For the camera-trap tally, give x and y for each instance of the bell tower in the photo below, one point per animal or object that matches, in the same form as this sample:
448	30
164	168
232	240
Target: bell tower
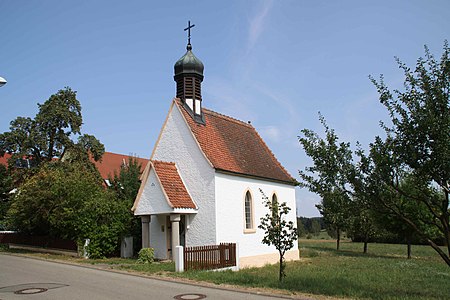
189	77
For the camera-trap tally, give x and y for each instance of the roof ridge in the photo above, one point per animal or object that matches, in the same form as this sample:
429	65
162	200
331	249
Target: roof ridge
163	162
257	133
234	120
210	111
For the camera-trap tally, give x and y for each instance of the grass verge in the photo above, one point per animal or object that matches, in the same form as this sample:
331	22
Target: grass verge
383	273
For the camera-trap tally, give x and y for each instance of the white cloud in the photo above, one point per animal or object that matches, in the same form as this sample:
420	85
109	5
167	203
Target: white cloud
270	132
257	24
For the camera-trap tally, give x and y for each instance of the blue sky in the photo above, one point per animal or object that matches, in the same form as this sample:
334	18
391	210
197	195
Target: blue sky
275	63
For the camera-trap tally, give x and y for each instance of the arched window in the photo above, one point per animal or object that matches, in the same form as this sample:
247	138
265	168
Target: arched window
248	211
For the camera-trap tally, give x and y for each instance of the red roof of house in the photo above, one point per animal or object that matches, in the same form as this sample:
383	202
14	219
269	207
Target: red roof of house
173	185
235	146
111	162
4	159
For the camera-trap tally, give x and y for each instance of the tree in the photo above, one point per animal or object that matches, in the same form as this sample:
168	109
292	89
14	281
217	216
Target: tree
67	200
362	226
315	227
6	186
277	231
126	185
301	231
418	142
48	135
329	176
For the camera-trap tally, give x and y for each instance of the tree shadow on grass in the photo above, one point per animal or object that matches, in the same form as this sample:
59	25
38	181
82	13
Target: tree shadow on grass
341	287
347	253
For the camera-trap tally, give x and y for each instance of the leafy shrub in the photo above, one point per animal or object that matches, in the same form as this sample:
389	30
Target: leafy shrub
72	204
146	256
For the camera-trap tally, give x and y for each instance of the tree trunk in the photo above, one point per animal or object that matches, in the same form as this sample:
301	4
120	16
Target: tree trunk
338	238
409	248
445	257
445	219
442	254
365	245
280	277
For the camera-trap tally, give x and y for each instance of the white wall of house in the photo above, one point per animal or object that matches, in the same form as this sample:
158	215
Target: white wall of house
230	196
177	144
158	236
152	201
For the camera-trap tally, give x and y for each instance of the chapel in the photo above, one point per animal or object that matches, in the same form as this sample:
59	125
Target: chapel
202	183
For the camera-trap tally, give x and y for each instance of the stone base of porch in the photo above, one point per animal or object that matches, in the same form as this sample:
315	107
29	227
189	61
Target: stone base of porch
264	259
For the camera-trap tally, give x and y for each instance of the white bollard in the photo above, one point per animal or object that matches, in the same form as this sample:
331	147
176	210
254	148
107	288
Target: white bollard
126	247
85	251
178	257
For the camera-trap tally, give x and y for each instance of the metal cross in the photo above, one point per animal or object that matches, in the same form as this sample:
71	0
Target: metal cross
189	31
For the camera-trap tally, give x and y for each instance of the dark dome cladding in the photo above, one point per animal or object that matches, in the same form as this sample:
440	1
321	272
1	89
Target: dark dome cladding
189	64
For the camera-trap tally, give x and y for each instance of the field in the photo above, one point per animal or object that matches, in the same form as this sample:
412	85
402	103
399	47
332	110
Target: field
383	273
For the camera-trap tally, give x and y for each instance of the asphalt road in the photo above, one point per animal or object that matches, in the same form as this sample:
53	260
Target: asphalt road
27	278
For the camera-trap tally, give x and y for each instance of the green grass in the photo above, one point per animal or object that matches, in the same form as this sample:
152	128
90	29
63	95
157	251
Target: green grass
383	273
128	264
156	268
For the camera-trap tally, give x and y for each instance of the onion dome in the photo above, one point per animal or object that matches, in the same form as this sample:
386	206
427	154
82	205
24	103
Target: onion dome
189	64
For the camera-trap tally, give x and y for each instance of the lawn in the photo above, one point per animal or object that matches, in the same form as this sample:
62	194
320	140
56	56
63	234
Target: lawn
383	273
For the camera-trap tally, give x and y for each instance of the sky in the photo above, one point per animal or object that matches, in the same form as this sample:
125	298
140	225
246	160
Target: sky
274	63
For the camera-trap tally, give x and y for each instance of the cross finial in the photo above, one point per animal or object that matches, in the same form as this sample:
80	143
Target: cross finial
189	31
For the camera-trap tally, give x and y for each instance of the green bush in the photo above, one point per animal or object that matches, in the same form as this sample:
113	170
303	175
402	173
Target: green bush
146	256
72	204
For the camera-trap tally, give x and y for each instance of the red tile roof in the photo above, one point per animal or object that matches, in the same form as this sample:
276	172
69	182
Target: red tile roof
4	159
235	146
173	185
111	162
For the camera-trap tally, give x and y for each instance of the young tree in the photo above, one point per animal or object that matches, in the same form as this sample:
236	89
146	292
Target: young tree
418	142
329	176
362	227
277	231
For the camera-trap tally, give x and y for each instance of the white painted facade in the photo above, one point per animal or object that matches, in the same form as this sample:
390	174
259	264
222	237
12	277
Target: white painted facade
219	197
230	195
177	144
153	199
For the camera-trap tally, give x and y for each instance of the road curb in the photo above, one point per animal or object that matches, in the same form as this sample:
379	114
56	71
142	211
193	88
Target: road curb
238	289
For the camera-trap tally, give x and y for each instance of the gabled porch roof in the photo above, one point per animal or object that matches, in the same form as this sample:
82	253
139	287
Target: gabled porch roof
168	180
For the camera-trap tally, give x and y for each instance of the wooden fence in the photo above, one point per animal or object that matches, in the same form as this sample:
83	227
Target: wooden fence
210	257
37	241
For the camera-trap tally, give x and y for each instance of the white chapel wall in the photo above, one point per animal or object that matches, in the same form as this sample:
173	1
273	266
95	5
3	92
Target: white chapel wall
230	193
153	200
177	144
158	236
